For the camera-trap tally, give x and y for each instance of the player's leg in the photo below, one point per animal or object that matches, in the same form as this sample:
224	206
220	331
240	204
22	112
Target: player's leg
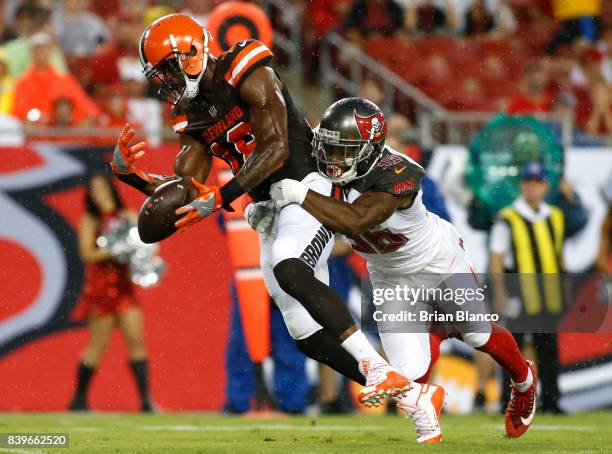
100	330
301	246
408	352
130	322
414	354
547	355
412	350
484	370
495	340
310	337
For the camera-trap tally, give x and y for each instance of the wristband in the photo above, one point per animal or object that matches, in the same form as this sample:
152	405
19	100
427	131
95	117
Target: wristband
230	192
138	180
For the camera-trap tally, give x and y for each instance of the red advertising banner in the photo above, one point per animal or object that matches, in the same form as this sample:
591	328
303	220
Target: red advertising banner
186	317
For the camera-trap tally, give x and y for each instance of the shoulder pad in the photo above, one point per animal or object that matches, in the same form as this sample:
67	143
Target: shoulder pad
397	175
242	59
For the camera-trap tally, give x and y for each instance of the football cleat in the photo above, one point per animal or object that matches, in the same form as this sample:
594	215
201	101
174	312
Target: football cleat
522	407
382	381
424	406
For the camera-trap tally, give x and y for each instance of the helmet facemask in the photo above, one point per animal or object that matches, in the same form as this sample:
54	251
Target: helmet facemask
341	160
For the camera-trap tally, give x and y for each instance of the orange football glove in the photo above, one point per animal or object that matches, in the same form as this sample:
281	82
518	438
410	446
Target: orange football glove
206	203
125	154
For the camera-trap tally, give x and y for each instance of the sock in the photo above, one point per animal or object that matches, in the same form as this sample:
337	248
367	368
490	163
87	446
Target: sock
141	375
435	339
360	348
84	374
524	386
503	348
325	348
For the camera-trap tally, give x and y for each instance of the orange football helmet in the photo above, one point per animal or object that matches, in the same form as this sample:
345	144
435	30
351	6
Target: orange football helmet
174	53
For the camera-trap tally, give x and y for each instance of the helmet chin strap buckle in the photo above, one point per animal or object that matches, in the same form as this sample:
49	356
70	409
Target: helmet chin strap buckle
191	88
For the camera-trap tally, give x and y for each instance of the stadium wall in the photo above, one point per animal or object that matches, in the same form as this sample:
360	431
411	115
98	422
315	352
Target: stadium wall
41	276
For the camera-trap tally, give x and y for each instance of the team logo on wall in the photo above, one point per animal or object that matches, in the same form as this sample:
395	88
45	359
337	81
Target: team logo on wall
41	243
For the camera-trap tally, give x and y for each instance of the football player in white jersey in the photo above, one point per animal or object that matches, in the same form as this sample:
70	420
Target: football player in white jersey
377	204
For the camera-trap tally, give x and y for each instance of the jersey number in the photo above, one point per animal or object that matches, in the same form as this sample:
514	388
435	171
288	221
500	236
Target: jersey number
241	141
380	242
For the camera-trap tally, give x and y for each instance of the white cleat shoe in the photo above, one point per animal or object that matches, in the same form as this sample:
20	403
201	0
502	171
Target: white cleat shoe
382	381
424	406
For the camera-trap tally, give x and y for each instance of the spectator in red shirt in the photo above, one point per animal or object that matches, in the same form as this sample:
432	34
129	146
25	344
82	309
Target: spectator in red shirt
478	19
323	15
63	113
318	18
567	95
42	85
534	97
373	17
114	107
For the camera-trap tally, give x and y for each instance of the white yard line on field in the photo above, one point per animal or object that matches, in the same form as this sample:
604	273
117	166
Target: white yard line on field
238	428
549	427
338	428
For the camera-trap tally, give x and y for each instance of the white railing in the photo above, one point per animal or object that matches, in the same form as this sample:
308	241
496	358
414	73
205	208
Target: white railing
460	127
435	124
358	61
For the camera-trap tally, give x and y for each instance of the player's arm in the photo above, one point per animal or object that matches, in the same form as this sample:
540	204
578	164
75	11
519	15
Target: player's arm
262	91
193	161
354	219
350	219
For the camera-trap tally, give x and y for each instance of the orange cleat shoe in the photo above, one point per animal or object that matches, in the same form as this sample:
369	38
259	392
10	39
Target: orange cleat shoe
522	407
382	381
424	406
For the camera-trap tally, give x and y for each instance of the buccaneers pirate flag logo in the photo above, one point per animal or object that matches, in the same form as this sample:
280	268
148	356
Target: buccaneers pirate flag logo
373	128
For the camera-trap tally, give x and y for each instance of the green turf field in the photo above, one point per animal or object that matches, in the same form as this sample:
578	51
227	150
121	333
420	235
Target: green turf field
192	433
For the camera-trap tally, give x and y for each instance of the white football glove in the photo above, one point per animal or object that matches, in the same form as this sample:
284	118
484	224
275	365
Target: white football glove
260	215
288	191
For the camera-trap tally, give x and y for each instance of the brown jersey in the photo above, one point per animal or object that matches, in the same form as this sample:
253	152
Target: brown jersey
220	118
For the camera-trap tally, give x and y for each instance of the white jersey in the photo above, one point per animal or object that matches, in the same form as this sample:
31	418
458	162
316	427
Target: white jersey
409	241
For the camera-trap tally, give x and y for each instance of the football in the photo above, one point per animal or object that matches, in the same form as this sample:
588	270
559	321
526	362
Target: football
156	219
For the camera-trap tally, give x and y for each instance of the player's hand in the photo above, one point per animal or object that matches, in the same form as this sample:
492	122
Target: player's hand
260	215
288	191
125	154
206	203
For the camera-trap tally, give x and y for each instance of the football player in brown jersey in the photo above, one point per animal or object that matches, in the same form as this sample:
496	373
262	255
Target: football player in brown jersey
235	107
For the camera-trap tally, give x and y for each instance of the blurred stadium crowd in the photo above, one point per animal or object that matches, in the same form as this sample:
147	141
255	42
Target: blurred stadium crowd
70	63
